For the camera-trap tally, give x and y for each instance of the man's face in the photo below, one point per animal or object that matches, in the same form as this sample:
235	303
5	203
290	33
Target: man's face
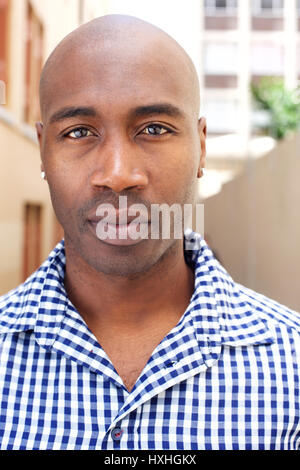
118	123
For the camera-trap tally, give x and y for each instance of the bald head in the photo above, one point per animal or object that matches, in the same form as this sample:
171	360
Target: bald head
120	103
121	40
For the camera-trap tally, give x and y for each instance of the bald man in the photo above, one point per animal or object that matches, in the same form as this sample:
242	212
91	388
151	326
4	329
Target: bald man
123	339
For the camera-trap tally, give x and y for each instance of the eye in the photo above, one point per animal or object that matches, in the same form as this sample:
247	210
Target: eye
155	129
79	133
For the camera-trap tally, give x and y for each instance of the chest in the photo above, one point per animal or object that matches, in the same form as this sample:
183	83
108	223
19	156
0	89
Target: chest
80	410
129	351
56	399
129	358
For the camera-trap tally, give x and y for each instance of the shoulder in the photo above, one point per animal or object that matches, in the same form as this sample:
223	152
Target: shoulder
20	305
10	298
270	310
240	300
267	309
15	296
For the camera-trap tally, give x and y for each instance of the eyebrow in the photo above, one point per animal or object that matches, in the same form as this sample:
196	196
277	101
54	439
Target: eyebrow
140	111
157	108
71	112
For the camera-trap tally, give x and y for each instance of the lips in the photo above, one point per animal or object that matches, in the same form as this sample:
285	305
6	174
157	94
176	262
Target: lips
118	228
118	218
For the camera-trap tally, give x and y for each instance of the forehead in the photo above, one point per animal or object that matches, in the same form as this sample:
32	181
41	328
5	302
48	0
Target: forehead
120	76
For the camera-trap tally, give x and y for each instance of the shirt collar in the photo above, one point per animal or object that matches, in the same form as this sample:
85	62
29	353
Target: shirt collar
238	321
219	310
29	307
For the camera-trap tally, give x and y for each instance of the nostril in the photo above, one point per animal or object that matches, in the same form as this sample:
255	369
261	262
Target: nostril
119	181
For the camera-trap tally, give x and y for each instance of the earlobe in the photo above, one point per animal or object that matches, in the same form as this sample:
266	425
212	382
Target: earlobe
43	173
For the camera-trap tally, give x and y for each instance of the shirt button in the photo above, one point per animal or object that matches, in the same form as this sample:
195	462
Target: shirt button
116	434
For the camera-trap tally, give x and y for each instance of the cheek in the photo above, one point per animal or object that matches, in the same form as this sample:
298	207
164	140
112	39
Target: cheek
178	176
59	201
63	195
63	181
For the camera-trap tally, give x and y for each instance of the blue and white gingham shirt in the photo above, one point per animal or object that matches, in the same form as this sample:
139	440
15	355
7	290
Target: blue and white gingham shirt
226	377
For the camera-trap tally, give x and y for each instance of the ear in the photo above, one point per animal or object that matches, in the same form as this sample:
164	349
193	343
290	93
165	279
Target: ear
39	132
202	130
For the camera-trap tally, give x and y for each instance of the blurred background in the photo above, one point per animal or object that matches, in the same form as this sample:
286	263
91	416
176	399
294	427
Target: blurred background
247	54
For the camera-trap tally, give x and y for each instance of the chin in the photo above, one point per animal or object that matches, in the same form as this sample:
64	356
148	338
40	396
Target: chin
127	261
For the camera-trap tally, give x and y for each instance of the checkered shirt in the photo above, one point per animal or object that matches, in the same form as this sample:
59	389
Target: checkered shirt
225	377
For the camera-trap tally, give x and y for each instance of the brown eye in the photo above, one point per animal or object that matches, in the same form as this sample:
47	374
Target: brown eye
79	133
155	129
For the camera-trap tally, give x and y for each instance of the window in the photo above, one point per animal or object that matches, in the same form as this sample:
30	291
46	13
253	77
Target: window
34	62
221	58
268	8
3	39
32	239
267	59
220	7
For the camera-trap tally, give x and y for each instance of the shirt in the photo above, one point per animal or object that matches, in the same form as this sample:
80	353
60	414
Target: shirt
225	377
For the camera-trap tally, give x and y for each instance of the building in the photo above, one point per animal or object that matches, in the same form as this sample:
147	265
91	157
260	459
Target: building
231	42
29	30
242	41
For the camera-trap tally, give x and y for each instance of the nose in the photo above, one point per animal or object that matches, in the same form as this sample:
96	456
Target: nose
119	166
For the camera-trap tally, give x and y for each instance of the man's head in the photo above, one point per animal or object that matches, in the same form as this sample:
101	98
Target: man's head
120	109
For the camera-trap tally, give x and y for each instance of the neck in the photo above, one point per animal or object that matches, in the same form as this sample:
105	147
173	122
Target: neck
159	295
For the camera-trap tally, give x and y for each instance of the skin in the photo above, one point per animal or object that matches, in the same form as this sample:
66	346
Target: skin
129	296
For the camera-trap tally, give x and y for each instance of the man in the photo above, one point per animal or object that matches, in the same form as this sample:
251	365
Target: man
136	343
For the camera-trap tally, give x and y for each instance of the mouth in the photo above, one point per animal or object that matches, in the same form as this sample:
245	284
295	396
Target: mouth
119	234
